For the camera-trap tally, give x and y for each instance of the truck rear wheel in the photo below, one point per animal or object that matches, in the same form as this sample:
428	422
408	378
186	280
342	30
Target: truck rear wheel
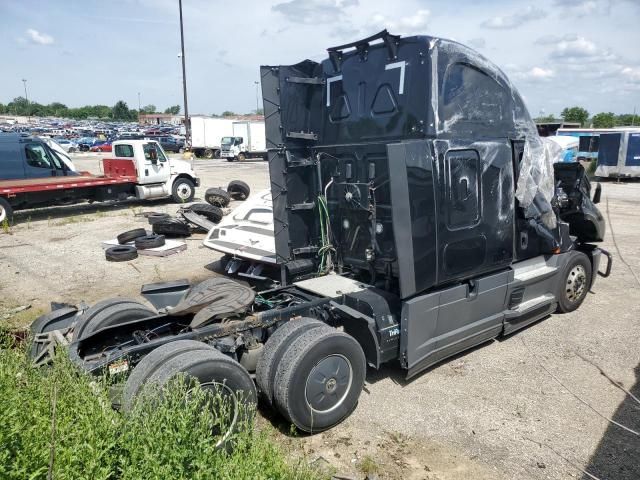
319	379
574	283
6	212
209	153
150	365
218	374
183	190
274	350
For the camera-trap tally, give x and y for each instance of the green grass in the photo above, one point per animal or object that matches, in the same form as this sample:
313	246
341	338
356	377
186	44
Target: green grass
61	419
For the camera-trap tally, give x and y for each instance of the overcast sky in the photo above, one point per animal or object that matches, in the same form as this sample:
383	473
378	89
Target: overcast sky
557	52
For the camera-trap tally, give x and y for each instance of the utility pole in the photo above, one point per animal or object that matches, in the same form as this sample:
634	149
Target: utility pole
187	124
139	107
257	83
26	96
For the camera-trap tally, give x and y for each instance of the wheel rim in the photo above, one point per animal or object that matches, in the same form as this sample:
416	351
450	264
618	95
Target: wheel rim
227	395
576	283
184	191
241	157
3	213
328	383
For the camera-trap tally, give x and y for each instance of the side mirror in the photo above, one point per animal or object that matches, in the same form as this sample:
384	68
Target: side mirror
597	194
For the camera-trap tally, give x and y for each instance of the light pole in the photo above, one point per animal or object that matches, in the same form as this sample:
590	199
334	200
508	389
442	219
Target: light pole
187	125
257	83
26	96
139	107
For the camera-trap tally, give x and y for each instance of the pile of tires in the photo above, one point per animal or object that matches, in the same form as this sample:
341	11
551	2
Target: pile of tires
141	240
219	197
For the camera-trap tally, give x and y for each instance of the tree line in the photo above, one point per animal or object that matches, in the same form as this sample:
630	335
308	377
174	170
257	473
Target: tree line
599	120
120	111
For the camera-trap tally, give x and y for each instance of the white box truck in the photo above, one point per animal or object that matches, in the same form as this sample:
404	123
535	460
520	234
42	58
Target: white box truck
248	141
206	133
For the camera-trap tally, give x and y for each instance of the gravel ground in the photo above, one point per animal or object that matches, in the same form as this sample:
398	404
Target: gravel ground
494	412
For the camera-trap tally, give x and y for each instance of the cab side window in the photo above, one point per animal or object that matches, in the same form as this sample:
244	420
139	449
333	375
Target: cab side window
124	151
37	156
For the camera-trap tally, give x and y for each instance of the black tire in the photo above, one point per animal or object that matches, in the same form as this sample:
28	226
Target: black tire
238	190
183	190
122	253
217	197
211	212
172	228
209	153
151	363
149	241
131	235
156	217
241	157
314	354
110	312
574	283
6	212
216	153
274	350
214	370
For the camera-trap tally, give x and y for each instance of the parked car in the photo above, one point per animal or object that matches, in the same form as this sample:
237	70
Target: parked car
67	145
169	144
102	147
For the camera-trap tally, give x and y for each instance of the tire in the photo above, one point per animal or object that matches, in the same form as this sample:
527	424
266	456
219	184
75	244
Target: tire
209	153
156	217
242	157
575	283
151	363
317	354
216	153
6	212
131	235
172	228
274	350
218	372
238	190
183	190
211	212
149	241
108	312
122	253
217	197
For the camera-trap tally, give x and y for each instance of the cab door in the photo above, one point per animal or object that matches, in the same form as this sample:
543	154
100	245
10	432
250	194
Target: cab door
39	163
155	164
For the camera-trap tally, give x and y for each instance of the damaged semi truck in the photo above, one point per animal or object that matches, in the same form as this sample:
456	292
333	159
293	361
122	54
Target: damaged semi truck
417	214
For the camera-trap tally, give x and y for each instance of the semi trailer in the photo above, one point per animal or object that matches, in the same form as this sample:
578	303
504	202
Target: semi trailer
417	213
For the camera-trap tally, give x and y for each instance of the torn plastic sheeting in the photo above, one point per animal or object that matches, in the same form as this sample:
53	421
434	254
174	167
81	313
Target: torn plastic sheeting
536	185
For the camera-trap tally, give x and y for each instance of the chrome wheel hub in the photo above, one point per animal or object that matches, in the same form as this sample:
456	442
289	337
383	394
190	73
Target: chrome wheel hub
576	283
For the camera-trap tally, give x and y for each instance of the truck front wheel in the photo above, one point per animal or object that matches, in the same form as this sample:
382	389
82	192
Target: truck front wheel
183	190
574	283
242	157
6	212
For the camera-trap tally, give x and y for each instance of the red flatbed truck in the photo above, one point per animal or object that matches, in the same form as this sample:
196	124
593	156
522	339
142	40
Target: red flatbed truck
32	175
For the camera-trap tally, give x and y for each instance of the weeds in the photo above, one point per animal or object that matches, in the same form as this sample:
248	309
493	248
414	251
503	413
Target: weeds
368	465
6	227
167	439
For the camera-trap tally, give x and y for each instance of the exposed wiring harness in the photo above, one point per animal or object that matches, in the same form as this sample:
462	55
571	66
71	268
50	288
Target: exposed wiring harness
326	248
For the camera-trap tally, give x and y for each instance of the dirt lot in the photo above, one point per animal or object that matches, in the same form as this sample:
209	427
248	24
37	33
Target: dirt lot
492	413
